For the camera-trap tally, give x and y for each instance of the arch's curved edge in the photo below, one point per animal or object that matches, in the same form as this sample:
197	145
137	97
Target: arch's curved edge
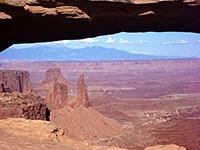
26	21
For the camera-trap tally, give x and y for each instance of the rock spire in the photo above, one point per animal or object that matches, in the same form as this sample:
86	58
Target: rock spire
82	97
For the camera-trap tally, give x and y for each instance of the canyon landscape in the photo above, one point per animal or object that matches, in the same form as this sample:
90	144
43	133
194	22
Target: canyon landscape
68	97
133	105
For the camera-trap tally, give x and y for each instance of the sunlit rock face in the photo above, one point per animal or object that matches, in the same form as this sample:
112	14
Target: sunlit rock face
81	99
24	21
166	147
58	96
14	81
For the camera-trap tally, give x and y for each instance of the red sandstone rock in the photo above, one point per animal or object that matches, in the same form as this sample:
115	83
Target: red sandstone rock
58	96
165	147
47	84
14	81
23	134
82	97
55	73
83	123
23	106
52	74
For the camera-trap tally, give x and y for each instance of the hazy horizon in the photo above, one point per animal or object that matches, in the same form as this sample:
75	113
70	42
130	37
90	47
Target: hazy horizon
60	52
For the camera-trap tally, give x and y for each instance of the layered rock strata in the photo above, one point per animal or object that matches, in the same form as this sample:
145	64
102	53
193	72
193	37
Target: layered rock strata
167	115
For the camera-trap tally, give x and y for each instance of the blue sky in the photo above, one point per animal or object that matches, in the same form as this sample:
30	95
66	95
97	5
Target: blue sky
161	44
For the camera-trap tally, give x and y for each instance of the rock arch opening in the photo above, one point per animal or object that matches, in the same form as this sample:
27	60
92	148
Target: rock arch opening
37	21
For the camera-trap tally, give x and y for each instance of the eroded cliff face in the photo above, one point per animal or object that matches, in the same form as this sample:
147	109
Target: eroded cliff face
168	115
48	84
17	105
14	81
52	74
49	20
57	98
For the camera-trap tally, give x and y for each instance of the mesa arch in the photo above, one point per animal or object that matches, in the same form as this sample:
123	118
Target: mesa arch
26	21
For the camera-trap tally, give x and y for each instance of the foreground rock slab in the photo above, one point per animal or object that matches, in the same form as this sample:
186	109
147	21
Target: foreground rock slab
28	106
166	147
18	133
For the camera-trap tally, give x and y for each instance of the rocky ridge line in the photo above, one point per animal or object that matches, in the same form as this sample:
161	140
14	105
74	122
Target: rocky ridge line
167	115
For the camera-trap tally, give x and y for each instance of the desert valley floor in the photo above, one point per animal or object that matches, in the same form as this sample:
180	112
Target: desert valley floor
156	102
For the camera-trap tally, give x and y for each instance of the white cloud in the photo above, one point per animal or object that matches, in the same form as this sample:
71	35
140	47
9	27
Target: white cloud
63	42
87	40
122	41
175	42
142	42
198	41
110	40
137	52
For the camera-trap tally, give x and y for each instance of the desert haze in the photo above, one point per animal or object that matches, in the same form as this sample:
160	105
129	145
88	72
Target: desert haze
93	105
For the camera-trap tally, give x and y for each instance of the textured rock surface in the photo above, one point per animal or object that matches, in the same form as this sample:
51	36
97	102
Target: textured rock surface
166	147
52	74
167	115
50	20
58	96
23	106
81	99
18	133
14	81
47	84
83	123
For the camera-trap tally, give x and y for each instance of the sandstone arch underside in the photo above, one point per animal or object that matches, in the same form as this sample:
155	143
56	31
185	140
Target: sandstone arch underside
26	21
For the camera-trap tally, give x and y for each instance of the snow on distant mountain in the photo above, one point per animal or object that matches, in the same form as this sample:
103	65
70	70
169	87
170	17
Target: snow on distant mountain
59	52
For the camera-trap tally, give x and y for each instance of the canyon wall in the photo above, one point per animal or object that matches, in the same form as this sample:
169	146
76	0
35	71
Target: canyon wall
14	81
25	21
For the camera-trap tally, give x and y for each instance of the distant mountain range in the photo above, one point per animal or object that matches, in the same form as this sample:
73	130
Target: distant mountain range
62	53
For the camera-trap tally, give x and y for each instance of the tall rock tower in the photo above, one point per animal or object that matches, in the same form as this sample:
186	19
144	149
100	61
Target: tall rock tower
82	97
58	96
